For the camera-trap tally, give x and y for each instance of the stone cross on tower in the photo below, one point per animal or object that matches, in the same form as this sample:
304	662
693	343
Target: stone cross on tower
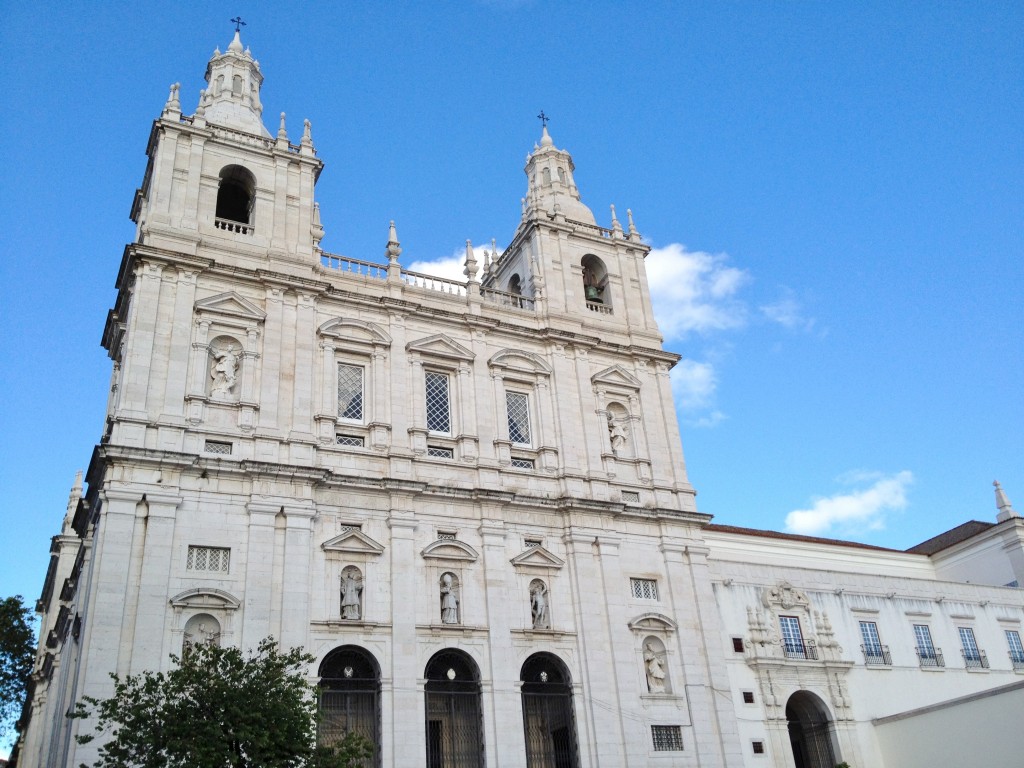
543	119
237	21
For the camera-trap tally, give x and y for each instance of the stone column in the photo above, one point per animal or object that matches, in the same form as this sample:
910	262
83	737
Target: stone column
406	745
151	614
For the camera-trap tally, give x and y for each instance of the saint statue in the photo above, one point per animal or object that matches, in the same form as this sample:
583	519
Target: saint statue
449	600
539	605
654	669
224	370
351	592
617	434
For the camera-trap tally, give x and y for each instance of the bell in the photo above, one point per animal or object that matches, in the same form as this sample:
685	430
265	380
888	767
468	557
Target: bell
593	293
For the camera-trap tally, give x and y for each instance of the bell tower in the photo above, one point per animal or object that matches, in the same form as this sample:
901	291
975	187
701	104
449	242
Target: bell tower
219	184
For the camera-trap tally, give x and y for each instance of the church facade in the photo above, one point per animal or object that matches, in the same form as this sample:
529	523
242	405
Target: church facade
468	499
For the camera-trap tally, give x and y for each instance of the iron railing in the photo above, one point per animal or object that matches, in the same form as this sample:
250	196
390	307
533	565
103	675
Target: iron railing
974	659
1017	660
805	650
876	655
930	657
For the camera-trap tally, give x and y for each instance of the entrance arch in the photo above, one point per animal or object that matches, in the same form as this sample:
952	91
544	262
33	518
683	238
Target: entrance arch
549	724
453	717
810	731
350	698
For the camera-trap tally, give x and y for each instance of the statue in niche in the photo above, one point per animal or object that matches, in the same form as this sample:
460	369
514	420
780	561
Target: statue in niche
449	600
202	629
617	433
351	594
655	670
224	370
539	605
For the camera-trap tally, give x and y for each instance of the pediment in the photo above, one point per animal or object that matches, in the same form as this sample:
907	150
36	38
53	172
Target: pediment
516	360
232	305
204	597
353	542
449	549
440	345
652	622
616	376
352	330
537	557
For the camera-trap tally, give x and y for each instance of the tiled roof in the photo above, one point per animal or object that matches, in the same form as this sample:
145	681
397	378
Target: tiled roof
949	538
793	537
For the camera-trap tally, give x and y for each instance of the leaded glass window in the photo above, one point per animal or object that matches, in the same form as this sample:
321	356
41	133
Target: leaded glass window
644	589
350	391
215	559
667	738
439	418
518	407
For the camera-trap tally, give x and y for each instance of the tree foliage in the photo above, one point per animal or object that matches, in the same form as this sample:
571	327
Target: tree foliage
217	708
17	656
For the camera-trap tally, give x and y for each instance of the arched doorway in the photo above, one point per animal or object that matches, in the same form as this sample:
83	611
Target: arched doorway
453	719
549	724
350	698
810	731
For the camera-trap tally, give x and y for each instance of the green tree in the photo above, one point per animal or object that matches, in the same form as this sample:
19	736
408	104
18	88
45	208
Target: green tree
217	708
17	656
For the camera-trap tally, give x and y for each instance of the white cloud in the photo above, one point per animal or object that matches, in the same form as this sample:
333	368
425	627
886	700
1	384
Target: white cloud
856	511
788	313
694	291
450	267
693	384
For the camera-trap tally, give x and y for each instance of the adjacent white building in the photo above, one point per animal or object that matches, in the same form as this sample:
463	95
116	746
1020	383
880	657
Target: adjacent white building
468	500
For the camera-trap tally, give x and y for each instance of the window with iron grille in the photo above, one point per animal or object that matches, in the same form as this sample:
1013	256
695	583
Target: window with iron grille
667	738
644	589
351	440
532	543
517	406
447	535
792	637
758	747
209	559
218	447
631	497
439	416
440	453
737	645
523	463
748	697
1016	649
350	392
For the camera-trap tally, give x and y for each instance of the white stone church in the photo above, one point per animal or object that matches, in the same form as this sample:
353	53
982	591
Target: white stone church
469	501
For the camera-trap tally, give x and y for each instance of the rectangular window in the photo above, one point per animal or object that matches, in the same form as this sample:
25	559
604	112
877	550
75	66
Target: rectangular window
440	453
532	543
748	697
973	657
1016	649
792	637
350	392
737	645
522	463
439	415
758	747
644	589
217	447
208	559
447	535
631	497
351	440
925	648
667	738
518	408
874	651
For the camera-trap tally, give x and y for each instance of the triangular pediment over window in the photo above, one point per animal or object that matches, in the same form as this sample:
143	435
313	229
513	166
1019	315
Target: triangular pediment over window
449	549
439	345
205	598
357	331
353	542
230	304
616	376
537	557
519	361
652	622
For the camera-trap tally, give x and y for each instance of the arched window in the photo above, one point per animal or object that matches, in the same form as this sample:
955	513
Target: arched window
549	723
350	699
595	281
810	731
453	716
515	285
236	194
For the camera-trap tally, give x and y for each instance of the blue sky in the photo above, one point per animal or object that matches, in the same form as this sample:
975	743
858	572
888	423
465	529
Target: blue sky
832	191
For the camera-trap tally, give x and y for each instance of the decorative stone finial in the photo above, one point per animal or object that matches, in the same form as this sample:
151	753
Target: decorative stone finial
316	228
201	109
522	205
632	226
394	250
282	132
307	133
471	263
236	43
1006	510
173	102
545	138
616	227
